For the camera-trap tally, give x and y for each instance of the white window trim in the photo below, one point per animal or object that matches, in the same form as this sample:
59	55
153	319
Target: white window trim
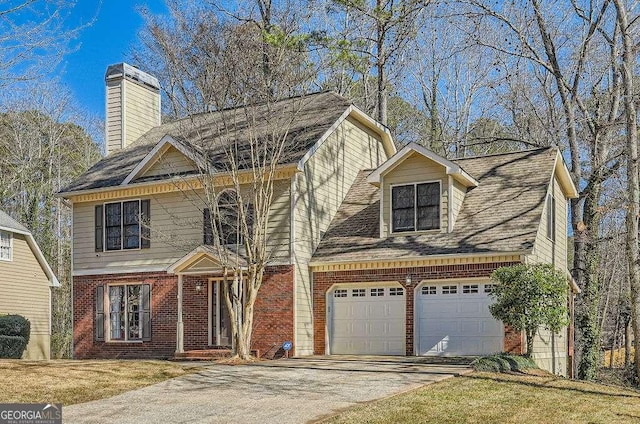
10	236
107	300
415	203
104	226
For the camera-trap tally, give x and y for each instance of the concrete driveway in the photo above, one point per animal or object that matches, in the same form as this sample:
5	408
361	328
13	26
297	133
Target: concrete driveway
284	391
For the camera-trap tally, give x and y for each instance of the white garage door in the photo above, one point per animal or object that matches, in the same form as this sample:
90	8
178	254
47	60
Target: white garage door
454	319
367	321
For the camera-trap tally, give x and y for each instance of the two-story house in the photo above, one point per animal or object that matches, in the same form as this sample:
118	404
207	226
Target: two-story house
26	281
373	251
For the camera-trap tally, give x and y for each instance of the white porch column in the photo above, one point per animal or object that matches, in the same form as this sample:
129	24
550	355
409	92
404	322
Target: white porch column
180	329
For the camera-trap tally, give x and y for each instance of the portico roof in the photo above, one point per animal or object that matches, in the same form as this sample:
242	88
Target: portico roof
207	259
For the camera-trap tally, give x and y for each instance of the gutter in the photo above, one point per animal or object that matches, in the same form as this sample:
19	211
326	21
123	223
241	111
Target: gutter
422	258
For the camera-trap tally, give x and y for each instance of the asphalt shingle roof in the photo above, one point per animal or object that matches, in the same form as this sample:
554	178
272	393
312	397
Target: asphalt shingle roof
305	119
502	214
11	224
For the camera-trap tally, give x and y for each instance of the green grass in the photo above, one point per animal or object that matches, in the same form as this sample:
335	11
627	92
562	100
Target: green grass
485	398
73	381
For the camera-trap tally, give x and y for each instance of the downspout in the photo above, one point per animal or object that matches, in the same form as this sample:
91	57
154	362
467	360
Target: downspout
180	325
450	204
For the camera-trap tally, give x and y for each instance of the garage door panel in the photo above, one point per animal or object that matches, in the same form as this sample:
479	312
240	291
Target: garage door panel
368	324
456	324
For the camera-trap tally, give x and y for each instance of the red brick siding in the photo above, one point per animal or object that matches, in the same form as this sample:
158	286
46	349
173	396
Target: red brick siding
163	317
273	316
195	312
513	341
322	282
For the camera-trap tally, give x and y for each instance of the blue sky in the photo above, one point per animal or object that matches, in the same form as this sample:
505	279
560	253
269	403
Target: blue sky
105	42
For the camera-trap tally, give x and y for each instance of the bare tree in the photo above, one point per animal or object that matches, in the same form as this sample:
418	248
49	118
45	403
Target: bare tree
208	58
628	71
381	31
33	37
42	148
239	153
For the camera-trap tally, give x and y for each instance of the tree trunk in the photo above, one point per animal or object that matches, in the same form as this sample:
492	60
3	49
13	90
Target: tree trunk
627	344
380	65
633	194
586	259
530	335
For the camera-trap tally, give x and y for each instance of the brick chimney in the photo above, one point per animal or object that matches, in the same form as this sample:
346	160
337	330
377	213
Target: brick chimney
132	105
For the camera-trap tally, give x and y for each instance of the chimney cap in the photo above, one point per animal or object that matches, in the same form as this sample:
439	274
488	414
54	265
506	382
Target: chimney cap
121	70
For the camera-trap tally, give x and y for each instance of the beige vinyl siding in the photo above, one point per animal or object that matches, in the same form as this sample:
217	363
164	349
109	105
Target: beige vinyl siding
142	110
322	186
176	229
114	116
25	290
550	353
458	193
555	253
415	169
172	162
545	250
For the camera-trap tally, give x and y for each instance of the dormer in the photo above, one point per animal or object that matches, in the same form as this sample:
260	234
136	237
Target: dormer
421	192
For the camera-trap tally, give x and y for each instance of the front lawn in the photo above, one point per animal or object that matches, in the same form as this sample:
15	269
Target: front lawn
69	381
502	398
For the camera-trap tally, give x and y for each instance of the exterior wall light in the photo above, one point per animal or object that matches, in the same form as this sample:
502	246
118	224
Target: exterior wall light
408	280
199	286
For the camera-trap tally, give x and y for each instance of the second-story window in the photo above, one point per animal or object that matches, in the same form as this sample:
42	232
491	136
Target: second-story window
227	220
415	207
122	225
551	217
6	246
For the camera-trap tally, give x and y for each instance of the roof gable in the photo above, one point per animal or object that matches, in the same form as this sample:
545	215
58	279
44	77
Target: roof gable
205	258
153	161
409	150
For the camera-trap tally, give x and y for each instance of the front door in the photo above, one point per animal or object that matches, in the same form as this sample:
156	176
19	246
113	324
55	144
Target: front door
220	325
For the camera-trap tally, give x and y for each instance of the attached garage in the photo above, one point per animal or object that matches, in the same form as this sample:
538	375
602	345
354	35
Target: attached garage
366	320
453	319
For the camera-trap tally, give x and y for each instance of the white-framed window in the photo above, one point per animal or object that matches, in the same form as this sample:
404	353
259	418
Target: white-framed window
470	288
6	246
340	293
122	225
377	292
396	291
449	289
358	292
488	288
123	312
429	290
415	207
551	217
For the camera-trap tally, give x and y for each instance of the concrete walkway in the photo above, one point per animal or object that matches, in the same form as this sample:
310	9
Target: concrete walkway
284	391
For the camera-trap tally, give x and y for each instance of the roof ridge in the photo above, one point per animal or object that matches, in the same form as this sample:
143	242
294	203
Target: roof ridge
506	153
259	103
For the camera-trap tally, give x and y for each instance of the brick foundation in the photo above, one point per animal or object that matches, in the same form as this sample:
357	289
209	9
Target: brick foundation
273	316
323	281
